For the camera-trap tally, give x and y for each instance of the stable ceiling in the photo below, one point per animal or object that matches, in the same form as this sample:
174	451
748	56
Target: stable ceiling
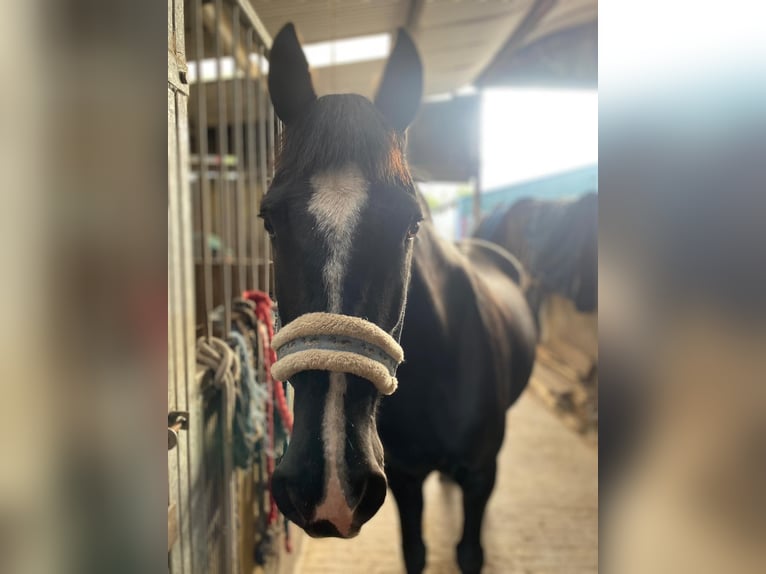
484	42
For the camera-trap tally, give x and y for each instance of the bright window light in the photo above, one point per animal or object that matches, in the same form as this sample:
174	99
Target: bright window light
434	98
530	133
467	90
319	55
348	50
207	69
716	37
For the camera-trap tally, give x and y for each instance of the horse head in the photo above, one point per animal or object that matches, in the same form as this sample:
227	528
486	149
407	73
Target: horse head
342	212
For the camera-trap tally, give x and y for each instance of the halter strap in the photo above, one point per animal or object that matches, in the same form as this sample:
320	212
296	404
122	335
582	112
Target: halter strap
340	343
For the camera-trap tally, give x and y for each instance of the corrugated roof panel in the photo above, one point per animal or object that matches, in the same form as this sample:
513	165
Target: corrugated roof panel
564	15
438	13
457	49
320	20
457	39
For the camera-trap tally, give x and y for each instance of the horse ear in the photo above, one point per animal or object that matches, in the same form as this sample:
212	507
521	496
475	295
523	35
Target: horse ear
401	89
289	79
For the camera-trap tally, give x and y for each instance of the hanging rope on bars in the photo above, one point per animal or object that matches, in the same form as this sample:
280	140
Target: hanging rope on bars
223	363
250	412
217	356
263	310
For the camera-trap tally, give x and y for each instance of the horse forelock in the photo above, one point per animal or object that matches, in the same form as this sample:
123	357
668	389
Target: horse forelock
340	130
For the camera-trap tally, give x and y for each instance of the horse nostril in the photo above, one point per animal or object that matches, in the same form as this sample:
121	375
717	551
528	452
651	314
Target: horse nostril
373	494
296	504
288	499
330	513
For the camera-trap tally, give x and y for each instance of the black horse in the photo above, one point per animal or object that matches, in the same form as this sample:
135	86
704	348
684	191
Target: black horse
345	221
556	242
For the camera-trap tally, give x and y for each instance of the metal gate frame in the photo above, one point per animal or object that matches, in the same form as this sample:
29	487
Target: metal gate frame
220	163
185	540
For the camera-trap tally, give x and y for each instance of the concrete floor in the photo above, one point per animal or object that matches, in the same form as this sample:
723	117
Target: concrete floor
542	517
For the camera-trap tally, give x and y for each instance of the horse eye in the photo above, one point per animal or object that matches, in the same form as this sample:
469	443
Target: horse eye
413	230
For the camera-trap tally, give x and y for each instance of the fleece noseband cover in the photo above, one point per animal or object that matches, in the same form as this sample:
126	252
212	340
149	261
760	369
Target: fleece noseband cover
338	343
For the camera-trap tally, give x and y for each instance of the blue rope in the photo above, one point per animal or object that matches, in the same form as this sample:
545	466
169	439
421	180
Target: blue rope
250	410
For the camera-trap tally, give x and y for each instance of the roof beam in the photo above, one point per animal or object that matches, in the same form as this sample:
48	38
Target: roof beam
536	13
414	15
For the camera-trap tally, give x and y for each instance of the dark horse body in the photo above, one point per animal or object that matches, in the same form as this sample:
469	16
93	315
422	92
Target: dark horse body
469	340
556	241
345	220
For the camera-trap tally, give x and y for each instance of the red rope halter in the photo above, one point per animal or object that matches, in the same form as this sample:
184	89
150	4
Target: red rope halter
263	308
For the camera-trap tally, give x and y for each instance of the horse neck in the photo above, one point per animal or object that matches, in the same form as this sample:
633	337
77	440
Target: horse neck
435	255
435	265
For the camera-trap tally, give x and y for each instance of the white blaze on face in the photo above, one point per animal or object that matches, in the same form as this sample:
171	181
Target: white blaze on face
334	507
336	204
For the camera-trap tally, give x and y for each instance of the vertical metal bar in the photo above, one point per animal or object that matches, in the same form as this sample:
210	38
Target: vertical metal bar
252	169
240	204
176	379
476	204
223	184
205	216
230	538
263	161
197	474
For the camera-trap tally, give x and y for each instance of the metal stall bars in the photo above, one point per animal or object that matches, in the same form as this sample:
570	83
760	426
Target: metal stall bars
233	136
184	400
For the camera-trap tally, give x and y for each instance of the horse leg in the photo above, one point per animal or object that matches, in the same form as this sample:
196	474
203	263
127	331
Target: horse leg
477	487
408	492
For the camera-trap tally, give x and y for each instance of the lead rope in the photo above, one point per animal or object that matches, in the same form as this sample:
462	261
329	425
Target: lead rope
270	431
263	311
250	416
288	539
276	394
216	356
